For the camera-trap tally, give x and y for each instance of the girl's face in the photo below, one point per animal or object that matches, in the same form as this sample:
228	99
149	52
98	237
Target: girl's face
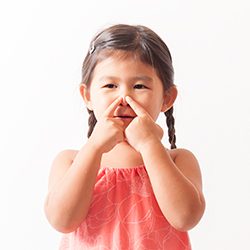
115	77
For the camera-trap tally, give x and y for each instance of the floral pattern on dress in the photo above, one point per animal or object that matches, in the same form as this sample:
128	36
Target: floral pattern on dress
124	215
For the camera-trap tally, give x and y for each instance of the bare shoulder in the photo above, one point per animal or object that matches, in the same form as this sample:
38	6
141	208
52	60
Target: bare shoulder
188	164
70	153
66	155
60	165
181	153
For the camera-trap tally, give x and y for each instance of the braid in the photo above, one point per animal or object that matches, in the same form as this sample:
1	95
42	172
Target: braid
92	121
171	129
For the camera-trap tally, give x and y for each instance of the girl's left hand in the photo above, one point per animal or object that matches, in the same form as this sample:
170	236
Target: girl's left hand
142	128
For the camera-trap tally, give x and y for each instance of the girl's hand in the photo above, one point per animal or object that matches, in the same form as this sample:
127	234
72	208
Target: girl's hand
142	128
108	131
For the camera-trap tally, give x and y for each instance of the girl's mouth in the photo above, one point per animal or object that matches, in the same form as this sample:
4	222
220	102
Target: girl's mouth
125	117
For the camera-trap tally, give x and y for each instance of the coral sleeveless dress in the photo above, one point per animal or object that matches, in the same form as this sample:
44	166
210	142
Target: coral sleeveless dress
124	215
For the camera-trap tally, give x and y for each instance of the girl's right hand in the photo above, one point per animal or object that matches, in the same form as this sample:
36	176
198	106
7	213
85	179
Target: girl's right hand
108	131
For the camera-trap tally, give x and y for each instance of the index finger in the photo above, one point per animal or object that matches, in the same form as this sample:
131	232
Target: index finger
139	110
111	108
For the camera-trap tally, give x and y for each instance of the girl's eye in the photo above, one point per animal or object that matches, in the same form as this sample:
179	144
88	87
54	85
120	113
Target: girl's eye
140	86
110	85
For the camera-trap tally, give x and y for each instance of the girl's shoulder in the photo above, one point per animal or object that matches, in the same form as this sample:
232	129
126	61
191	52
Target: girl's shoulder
188	164
180	152
64	158
60	164
69	153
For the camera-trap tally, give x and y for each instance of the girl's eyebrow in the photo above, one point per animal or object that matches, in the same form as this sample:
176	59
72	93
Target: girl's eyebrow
134	78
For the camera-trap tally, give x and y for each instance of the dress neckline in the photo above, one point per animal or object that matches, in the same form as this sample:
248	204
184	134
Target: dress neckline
122	168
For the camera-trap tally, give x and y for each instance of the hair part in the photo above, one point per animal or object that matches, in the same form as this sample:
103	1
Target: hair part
142	43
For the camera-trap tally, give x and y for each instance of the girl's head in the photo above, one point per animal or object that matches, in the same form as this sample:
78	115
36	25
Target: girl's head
129	60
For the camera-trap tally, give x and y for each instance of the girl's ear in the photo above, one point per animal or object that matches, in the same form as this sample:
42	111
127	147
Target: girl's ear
84	90
169	98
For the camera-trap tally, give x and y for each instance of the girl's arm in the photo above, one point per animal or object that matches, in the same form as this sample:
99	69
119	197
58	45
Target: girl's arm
71	184
70	187
177	184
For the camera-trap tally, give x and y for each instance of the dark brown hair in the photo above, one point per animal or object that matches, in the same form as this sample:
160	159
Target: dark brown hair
142	42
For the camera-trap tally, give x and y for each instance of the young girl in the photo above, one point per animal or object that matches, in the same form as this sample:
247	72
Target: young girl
123	189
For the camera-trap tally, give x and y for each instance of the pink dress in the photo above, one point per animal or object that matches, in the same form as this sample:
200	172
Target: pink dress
124	215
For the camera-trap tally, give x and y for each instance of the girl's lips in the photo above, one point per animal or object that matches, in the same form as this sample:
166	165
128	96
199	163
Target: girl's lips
124	112
125	117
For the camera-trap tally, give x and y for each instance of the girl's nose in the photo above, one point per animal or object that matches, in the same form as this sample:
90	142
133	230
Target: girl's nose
124	102
124	91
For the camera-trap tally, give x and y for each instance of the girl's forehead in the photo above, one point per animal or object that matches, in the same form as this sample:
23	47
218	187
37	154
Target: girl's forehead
125	62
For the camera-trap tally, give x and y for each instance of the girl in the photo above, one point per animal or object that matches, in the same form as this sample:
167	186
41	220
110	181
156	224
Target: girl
123	189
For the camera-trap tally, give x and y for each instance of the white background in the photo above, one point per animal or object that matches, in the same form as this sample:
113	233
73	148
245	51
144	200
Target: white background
43	44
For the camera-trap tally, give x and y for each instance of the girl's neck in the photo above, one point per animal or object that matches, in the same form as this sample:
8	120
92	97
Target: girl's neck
123	148
122	155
